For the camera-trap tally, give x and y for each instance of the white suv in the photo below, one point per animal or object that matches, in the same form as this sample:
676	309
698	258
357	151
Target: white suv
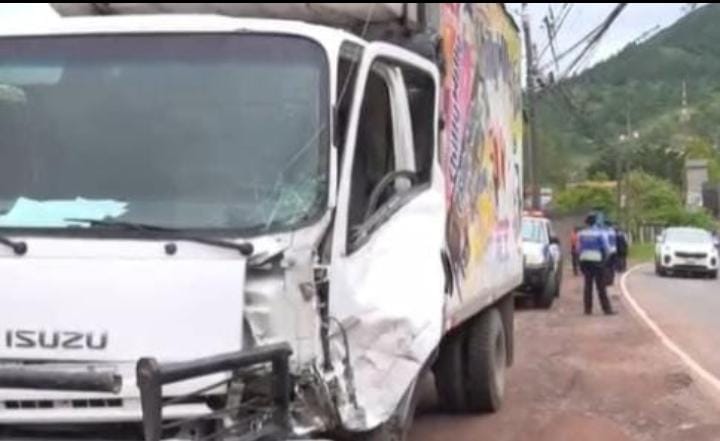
686	250
543	260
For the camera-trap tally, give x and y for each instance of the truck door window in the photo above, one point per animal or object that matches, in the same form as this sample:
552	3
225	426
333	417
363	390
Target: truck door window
374	152
421	99
348	64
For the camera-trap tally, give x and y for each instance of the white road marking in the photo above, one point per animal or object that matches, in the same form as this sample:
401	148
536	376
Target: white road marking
690	362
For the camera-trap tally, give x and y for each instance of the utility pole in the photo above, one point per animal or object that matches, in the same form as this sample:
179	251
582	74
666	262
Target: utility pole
622	207
533	150
619	162
684	119
684	113
622	167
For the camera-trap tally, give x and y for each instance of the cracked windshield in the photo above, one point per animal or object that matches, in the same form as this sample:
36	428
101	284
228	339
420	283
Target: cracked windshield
206	131
359	221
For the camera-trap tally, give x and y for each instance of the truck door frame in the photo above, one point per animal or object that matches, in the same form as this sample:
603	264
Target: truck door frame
402	132
391	319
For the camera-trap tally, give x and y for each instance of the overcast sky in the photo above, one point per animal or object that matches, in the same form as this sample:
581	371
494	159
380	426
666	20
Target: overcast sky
634	21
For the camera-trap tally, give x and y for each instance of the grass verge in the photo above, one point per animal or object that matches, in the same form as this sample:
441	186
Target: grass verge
642	252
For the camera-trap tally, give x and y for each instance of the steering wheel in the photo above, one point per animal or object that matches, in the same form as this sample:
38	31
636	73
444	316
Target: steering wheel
381	186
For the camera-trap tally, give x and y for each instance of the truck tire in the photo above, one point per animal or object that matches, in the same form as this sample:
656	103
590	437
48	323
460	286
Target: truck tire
486	354
448	370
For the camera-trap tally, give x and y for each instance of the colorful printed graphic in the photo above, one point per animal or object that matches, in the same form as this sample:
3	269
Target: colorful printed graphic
482	141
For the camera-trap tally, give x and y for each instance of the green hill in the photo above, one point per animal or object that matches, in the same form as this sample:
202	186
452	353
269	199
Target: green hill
582	117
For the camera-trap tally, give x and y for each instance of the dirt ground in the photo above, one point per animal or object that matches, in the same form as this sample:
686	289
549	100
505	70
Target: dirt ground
579	378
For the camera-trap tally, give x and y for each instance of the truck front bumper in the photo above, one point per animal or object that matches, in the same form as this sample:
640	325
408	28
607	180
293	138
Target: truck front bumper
534	278
151	377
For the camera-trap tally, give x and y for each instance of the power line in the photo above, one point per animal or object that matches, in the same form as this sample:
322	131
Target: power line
640	39
547	44
646	35
596	38
568	7
549	27
572	48
578	114
588	58
556	26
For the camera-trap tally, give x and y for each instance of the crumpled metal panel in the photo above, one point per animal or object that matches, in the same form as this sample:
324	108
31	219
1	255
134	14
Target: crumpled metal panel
276	309
389	296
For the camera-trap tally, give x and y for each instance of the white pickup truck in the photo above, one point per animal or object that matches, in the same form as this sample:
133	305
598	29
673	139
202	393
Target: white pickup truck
251	228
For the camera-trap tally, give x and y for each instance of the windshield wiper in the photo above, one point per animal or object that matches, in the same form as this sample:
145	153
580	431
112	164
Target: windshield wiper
244	248
18	248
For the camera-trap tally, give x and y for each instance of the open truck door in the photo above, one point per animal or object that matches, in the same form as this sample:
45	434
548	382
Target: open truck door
389	227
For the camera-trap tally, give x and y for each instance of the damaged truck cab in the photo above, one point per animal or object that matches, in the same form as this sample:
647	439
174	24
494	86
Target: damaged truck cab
258	227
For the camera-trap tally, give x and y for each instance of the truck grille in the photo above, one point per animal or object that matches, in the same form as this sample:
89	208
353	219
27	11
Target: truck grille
690	255
62	404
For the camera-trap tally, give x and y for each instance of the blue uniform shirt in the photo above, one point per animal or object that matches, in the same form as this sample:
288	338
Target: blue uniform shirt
593	245
612	239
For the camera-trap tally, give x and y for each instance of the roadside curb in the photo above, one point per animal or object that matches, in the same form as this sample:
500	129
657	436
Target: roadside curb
695	367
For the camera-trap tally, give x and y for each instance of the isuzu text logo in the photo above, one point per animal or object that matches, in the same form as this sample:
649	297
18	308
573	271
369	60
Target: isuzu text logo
70	340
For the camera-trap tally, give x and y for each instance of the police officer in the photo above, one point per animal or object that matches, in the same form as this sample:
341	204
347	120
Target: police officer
611	263
574	250
622	250
594	251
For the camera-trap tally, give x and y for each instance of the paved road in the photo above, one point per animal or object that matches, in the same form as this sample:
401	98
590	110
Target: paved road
686	309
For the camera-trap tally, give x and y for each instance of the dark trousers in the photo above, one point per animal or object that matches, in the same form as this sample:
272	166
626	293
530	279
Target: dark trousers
595	274
575	262
621	263
610	268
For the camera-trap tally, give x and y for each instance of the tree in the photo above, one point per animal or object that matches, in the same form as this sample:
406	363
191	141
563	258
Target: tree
650	199
600	176
585	197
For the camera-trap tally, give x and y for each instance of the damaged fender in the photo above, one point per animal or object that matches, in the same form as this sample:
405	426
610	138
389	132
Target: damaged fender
389	297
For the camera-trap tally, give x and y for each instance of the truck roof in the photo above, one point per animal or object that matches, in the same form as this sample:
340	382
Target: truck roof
173	23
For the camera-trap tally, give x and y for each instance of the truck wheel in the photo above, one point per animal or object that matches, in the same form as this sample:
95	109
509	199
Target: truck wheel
486	355
448	372
545	296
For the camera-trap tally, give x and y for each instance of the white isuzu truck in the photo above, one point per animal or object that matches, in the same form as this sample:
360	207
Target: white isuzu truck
256	221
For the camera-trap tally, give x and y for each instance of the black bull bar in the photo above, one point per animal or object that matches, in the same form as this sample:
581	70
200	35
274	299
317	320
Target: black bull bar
152	375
